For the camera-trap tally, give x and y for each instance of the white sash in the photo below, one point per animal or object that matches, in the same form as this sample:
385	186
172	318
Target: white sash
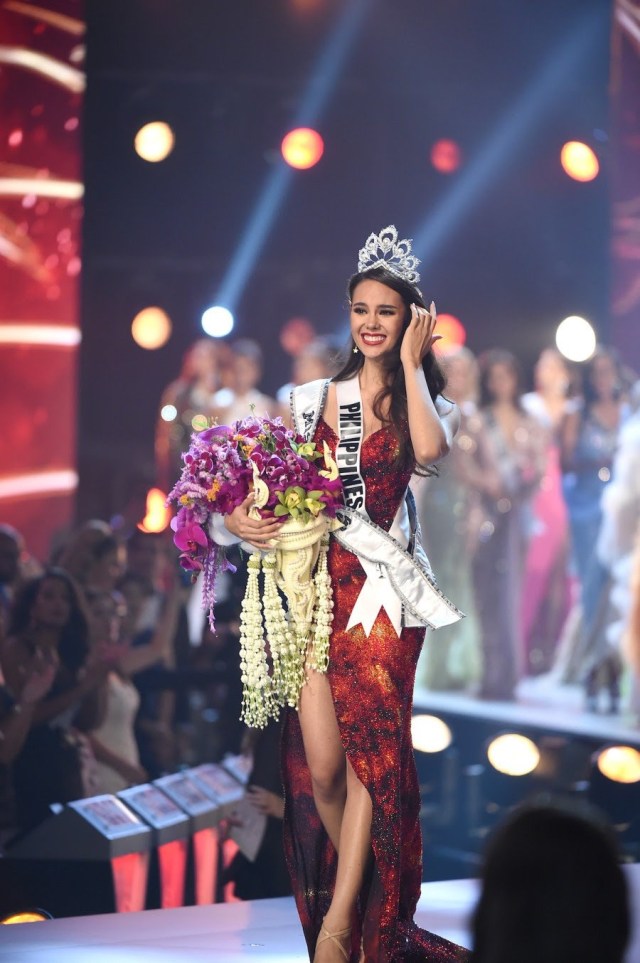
350	436
398	580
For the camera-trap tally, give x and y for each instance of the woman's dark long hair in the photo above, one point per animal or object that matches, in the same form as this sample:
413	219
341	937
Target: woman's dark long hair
395	392
73	647
552	892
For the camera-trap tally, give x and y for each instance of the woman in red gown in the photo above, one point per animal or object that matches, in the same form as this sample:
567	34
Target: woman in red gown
352	832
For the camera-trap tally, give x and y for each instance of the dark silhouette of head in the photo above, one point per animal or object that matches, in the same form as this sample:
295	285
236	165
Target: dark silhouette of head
553	891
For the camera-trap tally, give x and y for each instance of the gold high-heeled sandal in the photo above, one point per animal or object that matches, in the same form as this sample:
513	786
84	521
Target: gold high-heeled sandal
337	938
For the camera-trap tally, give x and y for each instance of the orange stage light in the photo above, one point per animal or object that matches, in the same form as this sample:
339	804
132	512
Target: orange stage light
579	161
302	148
452	332
151	328
446	156
158	515
154	142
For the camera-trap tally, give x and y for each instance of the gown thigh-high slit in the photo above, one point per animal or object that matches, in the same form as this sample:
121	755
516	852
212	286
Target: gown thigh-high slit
371	679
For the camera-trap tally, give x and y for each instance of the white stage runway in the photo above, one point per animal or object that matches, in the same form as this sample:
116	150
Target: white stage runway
231	933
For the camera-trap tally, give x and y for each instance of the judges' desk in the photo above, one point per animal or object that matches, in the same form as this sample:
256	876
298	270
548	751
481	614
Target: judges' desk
205	812
171	828
88	856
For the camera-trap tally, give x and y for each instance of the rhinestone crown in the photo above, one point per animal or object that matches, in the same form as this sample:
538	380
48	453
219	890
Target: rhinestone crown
385	250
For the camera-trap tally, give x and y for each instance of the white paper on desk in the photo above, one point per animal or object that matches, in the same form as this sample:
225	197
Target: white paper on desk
250	834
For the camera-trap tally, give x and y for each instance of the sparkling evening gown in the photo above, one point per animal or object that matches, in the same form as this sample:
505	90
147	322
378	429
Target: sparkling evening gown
371	680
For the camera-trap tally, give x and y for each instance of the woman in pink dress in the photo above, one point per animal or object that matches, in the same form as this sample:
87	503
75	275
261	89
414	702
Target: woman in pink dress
546	602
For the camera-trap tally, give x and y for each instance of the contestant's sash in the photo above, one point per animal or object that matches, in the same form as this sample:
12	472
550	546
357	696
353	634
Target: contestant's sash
350	435
397	580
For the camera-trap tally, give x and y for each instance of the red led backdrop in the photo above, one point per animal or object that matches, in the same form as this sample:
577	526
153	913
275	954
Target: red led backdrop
41	90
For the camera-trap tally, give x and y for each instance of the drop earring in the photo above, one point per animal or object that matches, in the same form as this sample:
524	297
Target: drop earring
355	350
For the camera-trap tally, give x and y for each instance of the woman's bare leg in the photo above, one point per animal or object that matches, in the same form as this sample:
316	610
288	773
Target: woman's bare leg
355	849
324	753
342	801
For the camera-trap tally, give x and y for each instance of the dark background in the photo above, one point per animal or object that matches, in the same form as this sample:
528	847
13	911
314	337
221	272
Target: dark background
527	247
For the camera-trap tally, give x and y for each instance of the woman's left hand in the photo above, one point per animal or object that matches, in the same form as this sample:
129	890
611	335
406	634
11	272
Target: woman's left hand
266	802
419	337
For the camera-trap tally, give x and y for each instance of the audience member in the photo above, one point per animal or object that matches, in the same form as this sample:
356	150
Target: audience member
48	623
76	555
552	892
266	876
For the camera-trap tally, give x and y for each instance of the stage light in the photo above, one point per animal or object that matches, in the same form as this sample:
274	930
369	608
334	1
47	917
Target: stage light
513	755
151	328
158	514
620	764
217	321
154	142
579	161
446	156
302	148
512	134
575	338
452	332
26	916
614	787
430	734
168	412
314	97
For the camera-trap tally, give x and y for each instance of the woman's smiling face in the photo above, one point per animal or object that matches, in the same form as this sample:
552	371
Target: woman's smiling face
377	318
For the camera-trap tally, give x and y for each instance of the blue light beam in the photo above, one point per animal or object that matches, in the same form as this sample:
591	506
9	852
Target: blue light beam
321	84
502	145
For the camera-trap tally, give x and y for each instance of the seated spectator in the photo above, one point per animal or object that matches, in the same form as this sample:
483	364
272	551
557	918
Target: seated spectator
265	876
75	556
16	718
552	891
48	626
11	548
150	661
107	564
113	740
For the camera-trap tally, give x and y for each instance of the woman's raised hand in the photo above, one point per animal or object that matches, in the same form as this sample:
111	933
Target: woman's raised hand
257	531
419	337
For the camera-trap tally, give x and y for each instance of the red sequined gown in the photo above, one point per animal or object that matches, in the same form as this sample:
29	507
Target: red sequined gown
371	680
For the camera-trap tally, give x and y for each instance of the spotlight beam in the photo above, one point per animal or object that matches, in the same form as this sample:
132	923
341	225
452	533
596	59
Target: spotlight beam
319	89
506	140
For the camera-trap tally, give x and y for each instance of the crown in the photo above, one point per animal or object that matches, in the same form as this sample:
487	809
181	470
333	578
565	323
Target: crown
385	250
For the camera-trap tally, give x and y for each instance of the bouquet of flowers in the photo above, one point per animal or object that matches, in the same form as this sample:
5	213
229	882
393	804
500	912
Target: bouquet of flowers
292	479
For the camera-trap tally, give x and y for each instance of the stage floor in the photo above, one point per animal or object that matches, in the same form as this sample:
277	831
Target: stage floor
541	703
231	933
